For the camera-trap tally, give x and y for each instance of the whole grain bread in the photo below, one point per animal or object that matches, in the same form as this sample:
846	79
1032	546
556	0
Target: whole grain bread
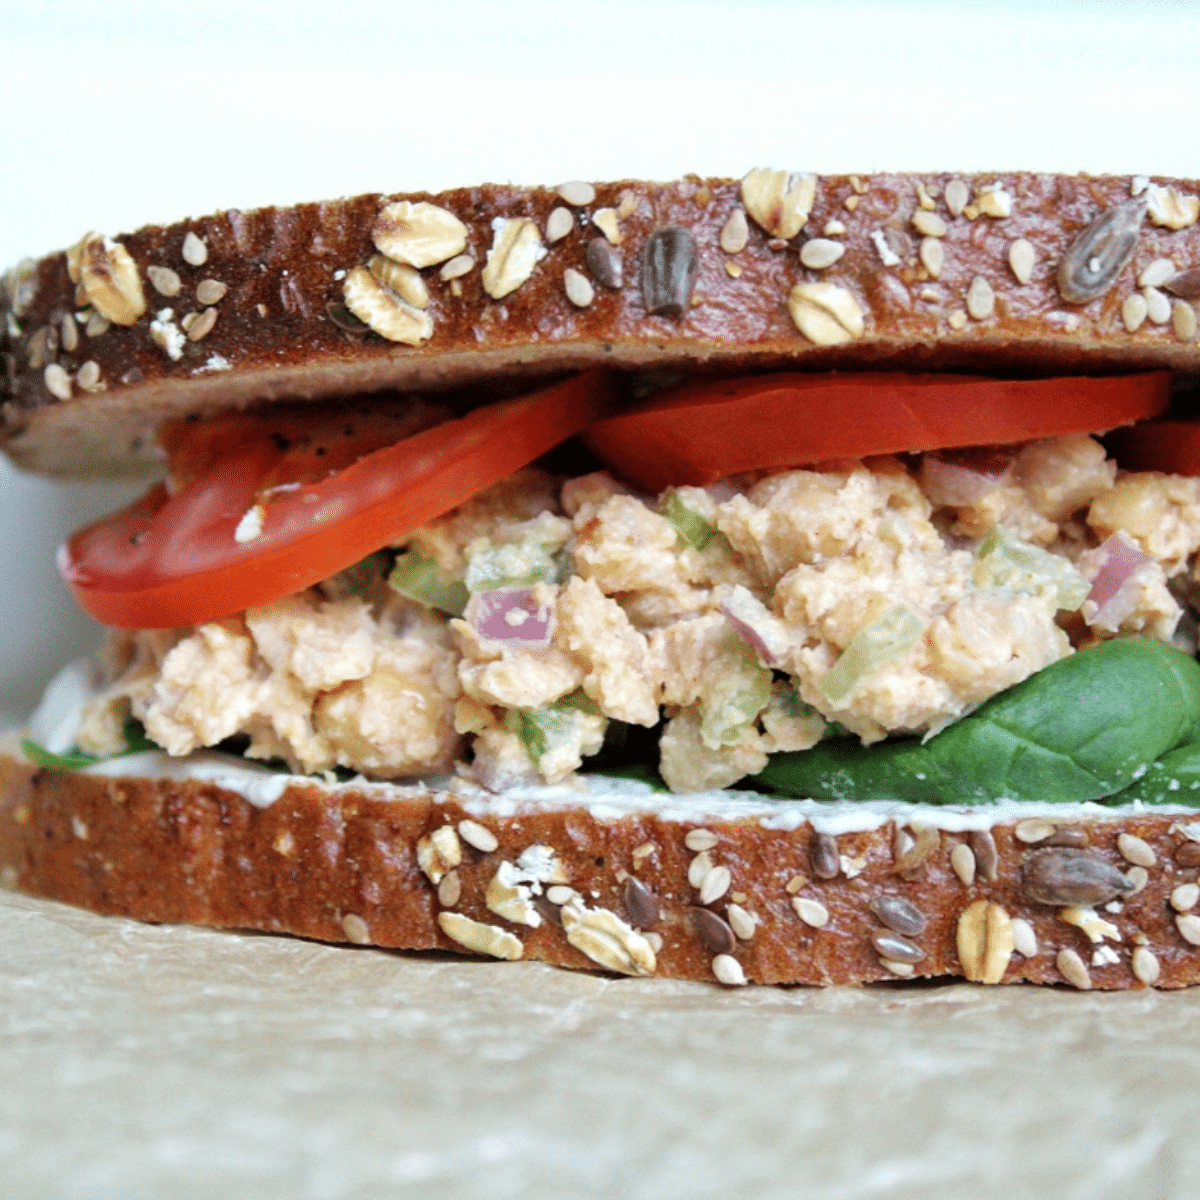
1095	901
921	272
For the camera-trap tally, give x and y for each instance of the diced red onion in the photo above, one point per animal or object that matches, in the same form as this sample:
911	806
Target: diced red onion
957	477
1113	600
754	623
511	615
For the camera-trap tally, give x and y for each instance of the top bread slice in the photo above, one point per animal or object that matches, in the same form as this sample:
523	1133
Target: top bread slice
912	272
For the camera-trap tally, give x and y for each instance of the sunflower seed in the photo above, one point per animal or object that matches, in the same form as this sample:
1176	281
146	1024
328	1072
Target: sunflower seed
811	912
735	233
1136	850
576	193
1022	258
355	929
981	300
604	263
483	939
1158	307
1133	311
728	970
110	280
779	202
57	381
962	861
640	904
1186	284
164	281
714	934
985	941
1033	830
1024	939
607	940
957	195
1071	967
933	256
383	311
895	948
740	921
1061	876
195	252
715	884
578	288
1100	253
983	845
344	319
449	891
823	856
900	915
819	253
1183	320
559	223
700	839
669	265
420	234
1189	928
1145	966
826	313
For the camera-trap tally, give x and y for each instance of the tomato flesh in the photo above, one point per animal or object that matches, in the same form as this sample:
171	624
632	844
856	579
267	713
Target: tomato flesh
1172	446
170	560
699	434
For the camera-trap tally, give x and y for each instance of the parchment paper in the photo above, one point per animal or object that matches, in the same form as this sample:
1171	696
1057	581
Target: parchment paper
144	1061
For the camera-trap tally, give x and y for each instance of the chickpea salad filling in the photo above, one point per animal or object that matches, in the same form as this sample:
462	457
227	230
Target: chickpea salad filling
750	629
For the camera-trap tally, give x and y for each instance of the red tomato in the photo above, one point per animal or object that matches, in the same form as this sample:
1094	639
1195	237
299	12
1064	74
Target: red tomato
699	434
1170	446
175	560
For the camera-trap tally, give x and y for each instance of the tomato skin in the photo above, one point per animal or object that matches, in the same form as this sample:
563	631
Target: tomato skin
167	561
699	434
1171	446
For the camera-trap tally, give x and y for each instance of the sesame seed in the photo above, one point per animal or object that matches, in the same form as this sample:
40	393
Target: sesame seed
1189	928
902	969
735	233
1024	938
933	256
740	921
929	224
1145	966
195	252
728	970
58	382
1072	968
700	839
578	288
165	281
962	861
89	376
479	836
559	223
1183	319
355	928
1157	273
1135	850
210	291
1158	307
1033	830
957	195
981	300
202	326
1133	311
715	884
819	253
699	867
449	890
1185	897
811	912
576	193
1021	260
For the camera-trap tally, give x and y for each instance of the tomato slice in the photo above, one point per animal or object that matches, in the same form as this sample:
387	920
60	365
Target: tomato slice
171	560
1172	446
699	434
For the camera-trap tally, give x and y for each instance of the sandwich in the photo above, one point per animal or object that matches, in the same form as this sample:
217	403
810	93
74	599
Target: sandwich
779	580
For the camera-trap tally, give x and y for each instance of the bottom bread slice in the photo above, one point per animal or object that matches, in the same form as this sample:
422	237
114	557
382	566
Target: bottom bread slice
1093	901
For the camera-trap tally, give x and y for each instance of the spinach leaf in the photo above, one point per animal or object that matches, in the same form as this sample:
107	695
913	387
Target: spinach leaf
1080	729
136	742
1173	779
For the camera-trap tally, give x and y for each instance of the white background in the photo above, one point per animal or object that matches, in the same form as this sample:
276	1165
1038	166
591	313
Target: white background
120	113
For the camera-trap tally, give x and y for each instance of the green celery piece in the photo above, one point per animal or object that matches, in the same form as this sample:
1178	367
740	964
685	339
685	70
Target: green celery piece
1005	561
696	530
878	642
538	728
421	579
1083	728
512	564
728	709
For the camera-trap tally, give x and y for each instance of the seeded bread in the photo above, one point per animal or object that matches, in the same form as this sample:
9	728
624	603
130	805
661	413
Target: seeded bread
935	271
1102	902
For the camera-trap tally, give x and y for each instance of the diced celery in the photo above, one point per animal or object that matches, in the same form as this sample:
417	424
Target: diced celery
696	530
511	564
738	688
1005	561
540	729
881	641
421	579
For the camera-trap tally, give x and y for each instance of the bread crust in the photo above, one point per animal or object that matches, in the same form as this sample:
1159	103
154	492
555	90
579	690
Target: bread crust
283	268
343	865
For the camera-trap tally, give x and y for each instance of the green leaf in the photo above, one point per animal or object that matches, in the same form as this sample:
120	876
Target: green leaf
421	579
696	530
1173	779
1081	729
136	742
